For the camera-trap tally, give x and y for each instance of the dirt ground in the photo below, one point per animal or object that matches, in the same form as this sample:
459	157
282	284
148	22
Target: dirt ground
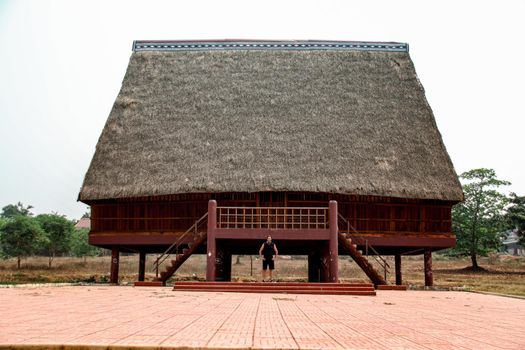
502	273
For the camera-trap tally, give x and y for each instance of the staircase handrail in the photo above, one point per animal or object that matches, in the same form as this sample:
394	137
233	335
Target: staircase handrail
382	262
161	258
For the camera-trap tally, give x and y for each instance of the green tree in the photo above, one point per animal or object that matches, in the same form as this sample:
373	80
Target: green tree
58	231
20	237
478	220
516	216
80	246
12	210
2	223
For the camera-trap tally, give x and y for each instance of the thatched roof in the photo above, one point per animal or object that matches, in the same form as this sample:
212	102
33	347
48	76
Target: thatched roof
333	117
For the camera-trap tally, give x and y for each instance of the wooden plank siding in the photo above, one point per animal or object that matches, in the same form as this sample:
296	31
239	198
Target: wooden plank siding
175	213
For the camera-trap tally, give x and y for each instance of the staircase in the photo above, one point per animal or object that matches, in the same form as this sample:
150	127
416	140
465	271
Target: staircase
278	287
345	240
181	255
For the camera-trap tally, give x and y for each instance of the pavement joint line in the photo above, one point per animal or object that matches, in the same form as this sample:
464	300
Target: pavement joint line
224	321
287	326
255	319
188	324
357	331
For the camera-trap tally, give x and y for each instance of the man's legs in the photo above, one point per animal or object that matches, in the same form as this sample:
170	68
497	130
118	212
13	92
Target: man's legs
264	267
270	268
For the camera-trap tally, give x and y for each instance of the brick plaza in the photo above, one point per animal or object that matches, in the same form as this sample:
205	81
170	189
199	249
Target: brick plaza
162	318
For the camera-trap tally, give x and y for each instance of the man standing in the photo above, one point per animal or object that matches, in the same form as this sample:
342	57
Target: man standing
266	253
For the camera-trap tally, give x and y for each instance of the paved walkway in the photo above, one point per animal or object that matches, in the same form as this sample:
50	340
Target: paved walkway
161	317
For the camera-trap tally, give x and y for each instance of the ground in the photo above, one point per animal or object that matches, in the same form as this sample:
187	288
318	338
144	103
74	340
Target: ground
105	315
503	273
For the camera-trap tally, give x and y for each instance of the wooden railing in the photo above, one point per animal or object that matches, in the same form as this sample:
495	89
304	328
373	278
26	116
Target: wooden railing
175	247
379	259
272	217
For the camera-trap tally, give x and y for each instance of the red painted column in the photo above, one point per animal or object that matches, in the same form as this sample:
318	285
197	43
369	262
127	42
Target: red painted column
211	243
113	278
333	246
324	263
142	265
429	279
399	280
313	267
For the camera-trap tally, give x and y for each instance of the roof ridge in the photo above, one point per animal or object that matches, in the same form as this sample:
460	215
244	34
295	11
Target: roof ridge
200	45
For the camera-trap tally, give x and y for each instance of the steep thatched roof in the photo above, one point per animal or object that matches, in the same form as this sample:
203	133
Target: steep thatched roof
264	116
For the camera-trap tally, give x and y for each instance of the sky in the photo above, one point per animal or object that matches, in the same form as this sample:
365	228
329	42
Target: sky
62	65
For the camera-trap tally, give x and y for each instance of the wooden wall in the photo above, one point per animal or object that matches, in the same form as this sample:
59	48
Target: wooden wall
178	212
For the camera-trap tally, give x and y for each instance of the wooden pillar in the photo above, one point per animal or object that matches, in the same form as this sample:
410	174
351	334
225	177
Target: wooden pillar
313	267
113	278
227	266
333	244
325	264
399	279
142	265
223	263
429	280
211	245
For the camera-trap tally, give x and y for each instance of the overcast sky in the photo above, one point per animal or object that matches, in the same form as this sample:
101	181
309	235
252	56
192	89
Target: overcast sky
62	64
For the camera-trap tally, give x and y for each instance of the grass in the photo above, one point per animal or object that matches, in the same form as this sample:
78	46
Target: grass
502	273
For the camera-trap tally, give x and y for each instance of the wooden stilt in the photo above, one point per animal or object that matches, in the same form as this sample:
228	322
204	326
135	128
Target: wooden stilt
313	267
429	280
113	279
211	242
333	244
227	266
399	279
142	266
325	263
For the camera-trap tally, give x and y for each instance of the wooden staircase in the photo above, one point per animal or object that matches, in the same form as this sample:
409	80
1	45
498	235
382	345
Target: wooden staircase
278	287
345	240
199	236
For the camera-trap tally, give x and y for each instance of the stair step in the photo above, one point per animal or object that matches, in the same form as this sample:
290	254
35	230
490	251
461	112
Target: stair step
272	287
149	284
326	292
278	287
312	284
391	287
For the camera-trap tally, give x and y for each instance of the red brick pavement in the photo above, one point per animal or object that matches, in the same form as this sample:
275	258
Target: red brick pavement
160	317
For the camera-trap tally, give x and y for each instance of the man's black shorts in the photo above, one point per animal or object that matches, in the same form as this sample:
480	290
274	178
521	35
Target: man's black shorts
268	263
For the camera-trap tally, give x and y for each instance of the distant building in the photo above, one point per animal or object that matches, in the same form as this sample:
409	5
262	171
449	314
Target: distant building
83	223
511	244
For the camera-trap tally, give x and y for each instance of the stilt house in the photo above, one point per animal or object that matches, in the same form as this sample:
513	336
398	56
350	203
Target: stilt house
331	147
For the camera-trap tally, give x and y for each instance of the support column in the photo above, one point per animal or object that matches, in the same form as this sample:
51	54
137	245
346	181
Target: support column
333	245
211	245
429	280
313	267
227	266
325	263
113	278
142	266
399	280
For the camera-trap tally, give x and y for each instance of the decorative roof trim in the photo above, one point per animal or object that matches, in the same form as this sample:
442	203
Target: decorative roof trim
148	45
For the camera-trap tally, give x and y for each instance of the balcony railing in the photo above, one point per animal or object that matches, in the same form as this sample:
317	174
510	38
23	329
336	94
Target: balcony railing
272	218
